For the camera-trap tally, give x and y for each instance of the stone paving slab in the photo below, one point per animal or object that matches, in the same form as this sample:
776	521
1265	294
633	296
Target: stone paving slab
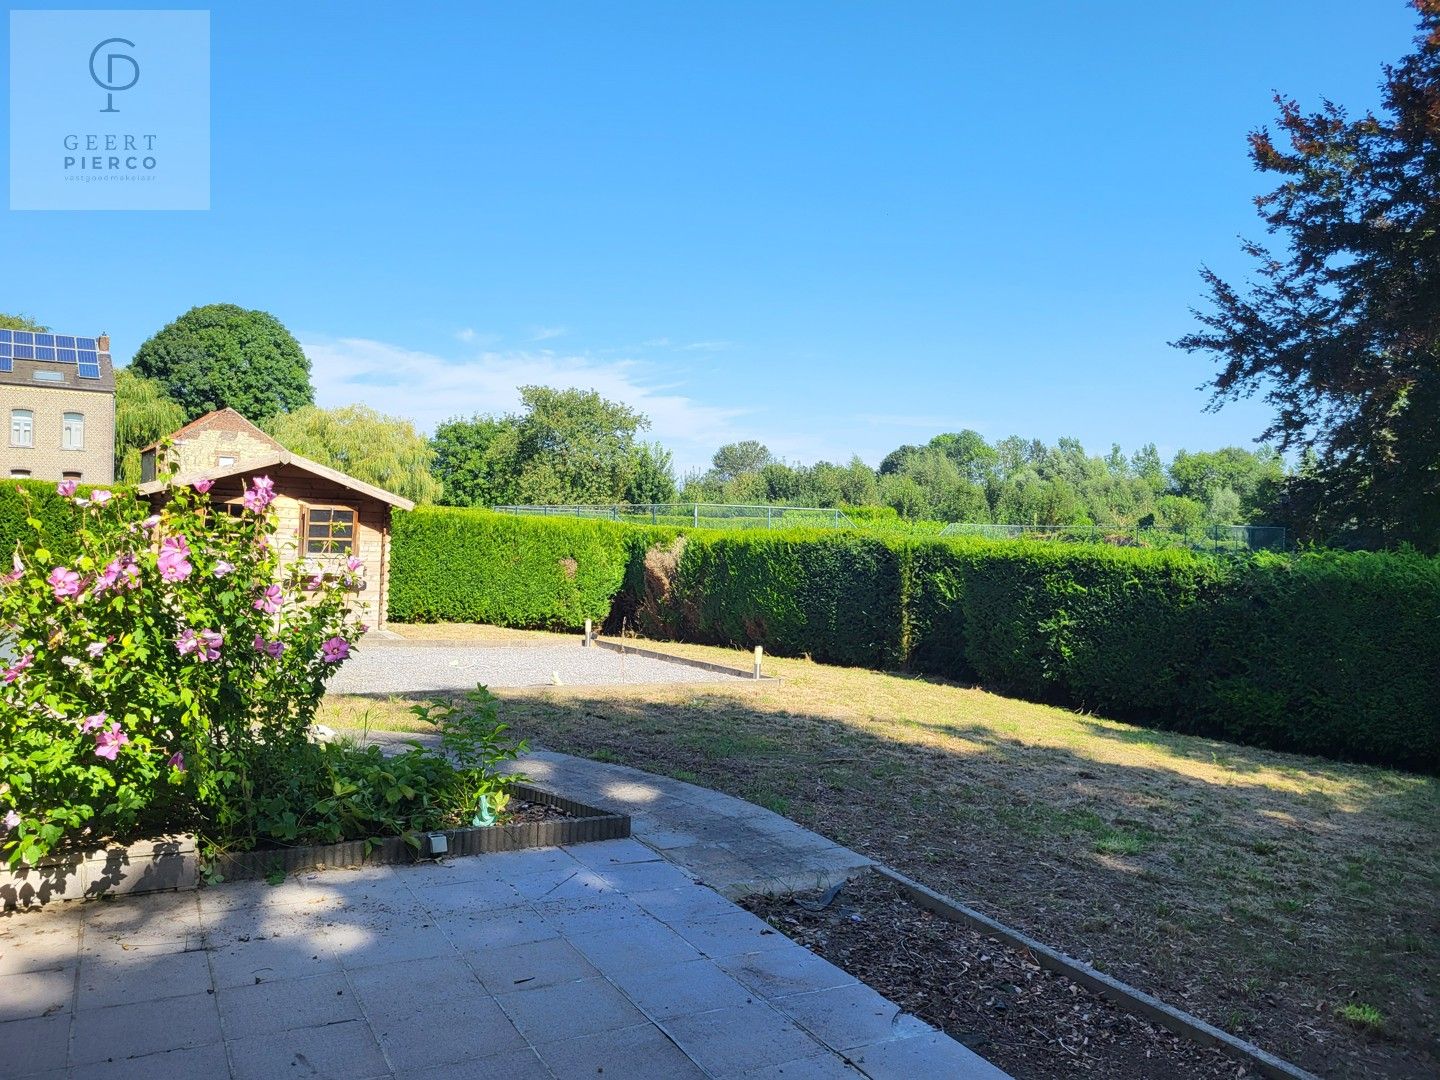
358	974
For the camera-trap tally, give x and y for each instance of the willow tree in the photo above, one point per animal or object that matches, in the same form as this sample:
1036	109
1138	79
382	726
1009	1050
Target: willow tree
382	450
144	413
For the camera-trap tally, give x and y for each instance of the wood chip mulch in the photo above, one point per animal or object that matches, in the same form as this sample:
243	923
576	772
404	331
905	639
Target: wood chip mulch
521	812
996	1000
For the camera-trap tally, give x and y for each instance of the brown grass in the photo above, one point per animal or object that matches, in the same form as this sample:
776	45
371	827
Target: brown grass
1264	891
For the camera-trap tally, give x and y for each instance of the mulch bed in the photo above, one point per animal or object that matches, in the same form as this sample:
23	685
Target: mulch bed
521	812
993	998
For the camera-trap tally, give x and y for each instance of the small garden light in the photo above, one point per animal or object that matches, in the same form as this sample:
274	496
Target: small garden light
436	844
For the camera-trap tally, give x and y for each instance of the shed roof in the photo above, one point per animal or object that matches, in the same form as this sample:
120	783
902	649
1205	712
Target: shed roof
273	459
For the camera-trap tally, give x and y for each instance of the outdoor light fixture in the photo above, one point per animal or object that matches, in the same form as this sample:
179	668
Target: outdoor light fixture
436	844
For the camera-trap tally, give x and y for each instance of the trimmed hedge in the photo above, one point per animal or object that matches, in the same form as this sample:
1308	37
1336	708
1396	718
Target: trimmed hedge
458	565
1330	653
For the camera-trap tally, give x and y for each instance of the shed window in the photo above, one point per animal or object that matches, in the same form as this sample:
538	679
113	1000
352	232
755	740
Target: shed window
329	530
22	427
72	431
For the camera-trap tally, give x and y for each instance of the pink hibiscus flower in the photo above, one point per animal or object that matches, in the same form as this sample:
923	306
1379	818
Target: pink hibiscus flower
109	741
174	560
64	582
177	761
272	649
11	819
66	488
16	573
90	723
14	671
334	650
203	485
259	494
270	601
222	568
100	497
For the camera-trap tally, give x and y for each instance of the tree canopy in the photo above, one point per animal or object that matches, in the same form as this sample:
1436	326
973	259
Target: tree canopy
222	355
382	450
144	414
21	322
1340	331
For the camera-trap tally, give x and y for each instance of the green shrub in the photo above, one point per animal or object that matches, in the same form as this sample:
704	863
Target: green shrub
451	564
59	517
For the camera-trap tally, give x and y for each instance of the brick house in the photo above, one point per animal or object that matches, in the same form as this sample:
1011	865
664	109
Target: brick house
323	516
57	400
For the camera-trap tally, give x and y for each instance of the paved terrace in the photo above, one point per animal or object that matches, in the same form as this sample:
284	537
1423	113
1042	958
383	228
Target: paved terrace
604	959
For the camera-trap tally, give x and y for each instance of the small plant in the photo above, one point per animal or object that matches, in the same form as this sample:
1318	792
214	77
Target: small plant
1363	1016
474	738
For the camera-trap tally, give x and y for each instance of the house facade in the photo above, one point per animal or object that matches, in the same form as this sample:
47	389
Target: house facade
57	401
323	516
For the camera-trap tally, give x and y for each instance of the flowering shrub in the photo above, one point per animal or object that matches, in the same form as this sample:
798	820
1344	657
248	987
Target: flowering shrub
164	676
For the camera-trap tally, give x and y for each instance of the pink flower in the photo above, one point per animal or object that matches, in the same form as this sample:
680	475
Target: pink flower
177	761
16	574
258	496
109	741
64	582
354	564
100	497
66	488
90	723
334	650
222	568
11	819
174	559
315	583
270	601
95	648
13	672
272	649
205	645
150	522
203	485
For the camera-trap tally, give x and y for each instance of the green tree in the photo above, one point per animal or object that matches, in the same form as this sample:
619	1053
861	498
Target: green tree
476	460
1341	331
21	322
1254	477
382	450
144	414
652	477
740	459
221	355
574	446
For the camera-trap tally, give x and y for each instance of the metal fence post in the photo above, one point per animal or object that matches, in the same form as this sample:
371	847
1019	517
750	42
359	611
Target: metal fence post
697	515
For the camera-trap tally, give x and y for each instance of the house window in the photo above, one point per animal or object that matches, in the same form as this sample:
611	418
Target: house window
20	474
69	475
329	530
224	461
72	431
22	427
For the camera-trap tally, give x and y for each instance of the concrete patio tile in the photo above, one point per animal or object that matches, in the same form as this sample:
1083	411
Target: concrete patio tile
681	989
642	947
569	1010
731	934
289	1003
739	1038
144	1027
513	865
433	1012
845	1017
606	853
512	1065
609	911
635	1053
230	895
562	883
36	1044
365	944
497	929
530	966
687	903
119	980
188	1064
664	837
478	894
36	993
269	959
644	877
935	1054
35	941
821	1066
345	1051
777	973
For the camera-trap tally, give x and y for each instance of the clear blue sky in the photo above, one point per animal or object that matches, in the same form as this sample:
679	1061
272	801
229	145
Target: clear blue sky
835	227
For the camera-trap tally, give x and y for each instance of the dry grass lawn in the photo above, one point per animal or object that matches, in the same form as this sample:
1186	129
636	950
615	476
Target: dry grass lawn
1291	900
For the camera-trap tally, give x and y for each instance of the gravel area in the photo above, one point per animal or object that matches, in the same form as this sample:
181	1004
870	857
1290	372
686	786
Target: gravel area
384	667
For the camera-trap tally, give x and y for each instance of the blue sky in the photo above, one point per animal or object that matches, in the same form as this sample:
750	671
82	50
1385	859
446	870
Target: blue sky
835	227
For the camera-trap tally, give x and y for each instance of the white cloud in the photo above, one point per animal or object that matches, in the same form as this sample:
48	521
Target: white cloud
429	389
545	333
466	335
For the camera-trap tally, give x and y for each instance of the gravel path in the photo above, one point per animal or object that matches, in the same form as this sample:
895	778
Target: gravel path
383	667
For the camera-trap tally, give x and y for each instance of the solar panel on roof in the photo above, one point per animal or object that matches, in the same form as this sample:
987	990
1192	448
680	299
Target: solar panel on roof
5	336
85	343
5	348
89	371
88	356
6	364
48	340
44	352
24	337
24	352
65	356
63	341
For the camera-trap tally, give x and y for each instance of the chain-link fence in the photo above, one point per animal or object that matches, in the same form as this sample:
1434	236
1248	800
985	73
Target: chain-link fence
698	515
1219	539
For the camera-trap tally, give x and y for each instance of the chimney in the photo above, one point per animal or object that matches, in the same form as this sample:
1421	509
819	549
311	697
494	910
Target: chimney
103	341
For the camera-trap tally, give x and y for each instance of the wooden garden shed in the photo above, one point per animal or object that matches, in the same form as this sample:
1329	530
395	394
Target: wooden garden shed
323	515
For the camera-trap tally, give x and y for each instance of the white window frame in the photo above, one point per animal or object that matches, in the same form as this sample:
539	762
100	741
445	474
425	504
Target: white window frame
71	425
22	428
